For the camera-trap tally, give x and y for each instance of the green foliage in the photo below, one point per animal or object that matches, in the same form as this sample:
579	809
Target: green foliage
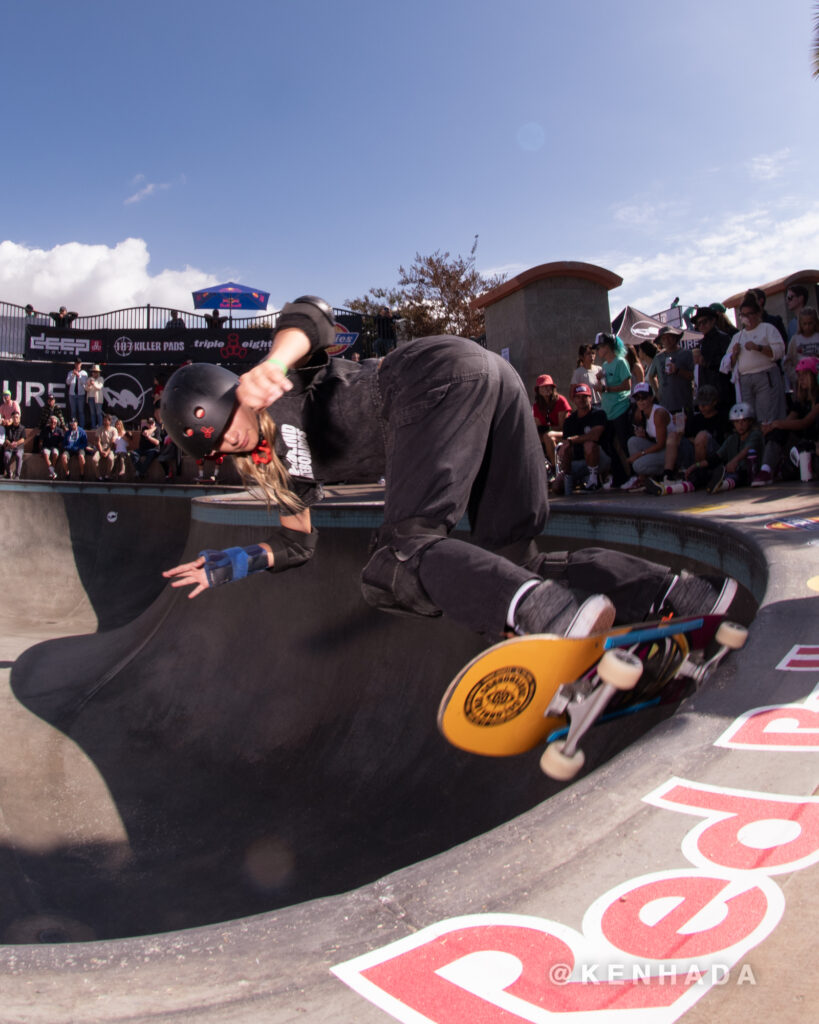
434	295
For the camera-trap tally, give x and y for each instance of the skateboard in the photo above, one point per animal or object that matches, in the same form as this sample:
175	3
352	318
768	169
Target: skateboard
515	695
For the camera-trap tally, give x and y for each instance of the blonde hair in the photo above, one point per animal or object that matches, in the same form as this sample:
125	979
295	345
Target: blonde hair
272	479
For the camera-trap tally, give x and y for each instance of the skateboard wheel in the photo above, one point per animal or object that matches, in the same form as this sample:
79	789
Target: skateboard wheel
620	669
731	635
558	765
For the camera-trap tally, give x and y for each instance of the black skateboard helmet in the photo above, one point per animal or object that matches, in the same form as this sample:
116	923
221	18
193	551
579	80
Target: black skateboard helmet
197	403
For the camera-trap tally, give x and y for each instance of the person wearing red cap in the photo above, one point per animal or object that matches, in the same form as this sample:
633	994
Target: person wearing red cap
580	454
550	409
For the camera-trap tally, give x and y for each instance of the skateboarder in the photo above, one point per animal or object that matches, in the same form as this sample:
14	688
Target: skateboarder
448	424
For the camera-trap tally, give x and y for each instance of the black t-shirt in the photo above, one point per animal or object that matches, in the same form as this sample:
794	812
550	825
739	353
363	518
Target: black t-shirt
574	425
719	426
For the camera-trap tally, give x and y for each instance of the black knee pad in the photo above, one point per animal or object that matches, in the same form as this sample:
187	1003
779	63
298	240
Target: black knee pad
390	580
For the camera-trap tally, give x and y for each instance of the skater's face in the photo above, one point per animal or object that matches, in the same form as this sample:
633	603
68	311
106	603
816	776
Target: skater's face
241	433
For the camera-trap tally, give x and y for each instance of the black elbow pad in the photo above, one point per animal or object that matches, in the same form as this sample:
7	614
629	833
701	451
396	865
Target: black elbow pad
312	315
291	548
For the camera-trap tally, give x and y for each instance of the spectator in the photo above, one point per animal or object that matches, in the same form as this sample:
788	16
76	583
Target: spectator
63	319
52	439
647	446
691	455
150	446
75	385
215	461
672	372
754	353
169	458
214	321
8	408
638	372
587	372
122	449
796	298
734	468
580	457
723	323
799	430
709	355
805	342
76	444
646	351
176	323
52	409
550	409
94	390
156	392
13	446
384	327
104	449
767	318
614	382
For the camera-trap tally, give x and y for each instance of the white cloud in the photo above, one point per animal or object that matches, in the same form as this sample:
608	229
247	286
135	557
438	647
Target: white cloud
645	213
768	166
93	278
150	188
714	261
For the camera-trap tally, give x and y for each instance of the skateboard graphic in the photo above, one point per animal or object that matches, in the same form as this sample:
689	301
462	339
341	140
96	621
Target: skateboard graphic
520	692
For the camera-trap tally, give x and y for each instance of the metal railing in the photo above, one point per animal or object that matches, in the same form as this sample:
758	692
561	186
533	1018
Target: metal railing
14	318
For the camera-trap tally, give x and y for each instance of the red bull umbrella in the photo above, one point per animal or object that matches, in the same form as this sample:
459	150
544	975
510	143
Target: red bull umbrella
230	296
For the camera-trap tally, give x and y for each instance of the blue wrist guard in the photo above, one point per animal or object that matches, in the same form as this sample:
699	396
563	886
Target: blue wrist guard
233	563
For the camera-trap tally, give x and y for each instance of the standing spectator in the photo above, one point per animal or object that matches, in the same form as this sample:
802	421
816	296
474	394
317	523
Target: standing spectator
768	318
672	372
13	446
76	443
176	323
214	321
550	409
52	409
796	298
580	456
104	449
709	355
384	326
75	387
94	389
614	382
755	352
52	439
646	449
8	408
587	372
63	318
805	342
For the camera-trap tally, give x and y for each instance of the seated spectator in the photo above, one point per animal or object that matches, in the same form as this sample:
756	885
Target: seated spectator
104	449
8	408
75	389
550	409
214	321
709	355
94	387
150	446
587	372
804	342
614	383
176	323
705	431
75	445
52	439
799	430
580	456
733	466
646	448
796	298
63	318
122	449
754	353
13	447
672	373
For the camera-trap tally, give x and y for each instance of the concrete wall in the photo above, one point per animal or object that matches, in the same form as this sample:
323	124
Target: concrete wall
543	324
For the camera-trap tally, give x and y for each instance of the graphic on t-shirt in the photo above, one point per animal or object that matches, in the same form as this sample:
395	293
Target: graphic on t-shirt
299	457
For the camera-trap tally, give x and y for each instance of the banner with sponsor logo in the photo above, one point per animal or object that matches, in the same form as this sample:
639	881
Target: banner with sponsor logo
126	395
169	348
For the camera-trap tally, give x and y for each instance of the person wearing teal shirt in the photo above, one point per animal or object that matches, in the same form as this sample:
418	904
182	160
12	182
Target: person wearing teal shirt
615	398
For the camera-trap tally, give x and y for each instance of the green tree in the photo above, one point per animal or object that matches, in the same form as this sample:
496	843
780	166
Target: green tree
434	295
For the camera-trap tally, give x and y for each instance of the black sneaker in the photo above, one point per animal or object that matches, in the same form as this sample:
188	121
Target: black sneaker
689	595
655	487
552	608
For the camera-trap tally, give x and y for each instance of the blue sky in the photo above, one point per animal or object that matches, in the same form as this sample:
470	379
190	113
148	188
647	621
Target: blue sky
310	145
